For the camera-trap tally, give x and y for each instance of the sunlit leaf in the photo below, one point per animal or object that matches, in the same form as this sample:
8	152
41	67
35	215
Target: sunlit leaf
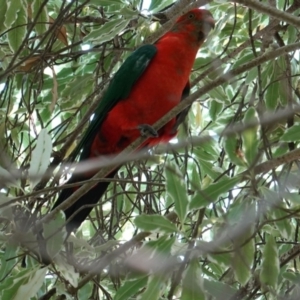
40	158
31	287
107	31
157	5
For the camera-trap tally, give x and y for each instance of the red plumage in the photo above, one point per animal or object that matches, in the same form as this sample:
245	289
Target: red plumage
160	85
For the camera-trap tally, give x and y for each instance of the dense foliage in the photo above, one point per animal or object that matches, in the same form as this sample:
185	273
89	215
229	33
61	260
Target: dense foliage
212	215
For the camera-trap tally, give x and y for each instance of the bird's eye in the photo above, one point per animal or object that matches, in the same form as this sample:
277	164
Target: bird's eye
191	16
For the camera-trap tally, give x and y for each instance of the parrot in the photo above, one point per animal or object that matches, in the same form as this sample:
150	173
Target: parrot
151	81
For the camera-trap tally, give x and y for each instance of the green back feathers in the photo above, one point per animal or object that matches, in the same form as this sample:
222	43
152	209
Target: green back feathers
118	89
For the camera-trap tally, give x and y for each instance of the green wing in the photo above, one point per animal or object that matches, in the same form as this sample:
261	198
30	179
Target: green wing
118	89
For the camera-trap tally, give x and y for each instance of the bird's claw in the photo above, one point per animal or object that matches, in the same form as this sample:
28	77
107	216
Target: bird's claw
147	130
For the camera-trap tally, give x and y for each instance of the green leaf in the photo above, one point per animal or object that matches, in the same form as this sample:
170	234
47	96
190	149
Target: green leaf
128	13
24	284
219	290
250	137
33	284
104	2
217	93
10	286
293	197
245	57
270	264
192	284
11	15
40	157
212	193
154	222
294	278
209	169
283	223
18	29
130	288
55	233
291	134
215	108
176	190
67	271
6	211
272	96
231	147
6	177
281	69
207	151
251	75
154	288
8	260
3	12
42	22
157	5
221	260
242	262
107	31
162	246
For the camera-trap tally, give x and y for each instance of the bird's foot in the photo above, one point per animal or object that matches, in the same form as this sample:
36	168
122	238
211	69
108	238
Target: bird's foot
147	130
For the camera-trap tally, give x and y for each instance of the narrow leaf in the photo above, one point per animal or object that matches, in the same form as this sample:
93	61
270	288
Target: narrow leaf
18	30
272	96
107	31
192	285
40	157
32	286
231	147
212	193
6	177
219	290
8	260
154	222
54	233
291	134
270	264
42	22
176	190
67	271
158	5
153	289
3	12
130	288
250	137
13	7
215	108
6	211
242	261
